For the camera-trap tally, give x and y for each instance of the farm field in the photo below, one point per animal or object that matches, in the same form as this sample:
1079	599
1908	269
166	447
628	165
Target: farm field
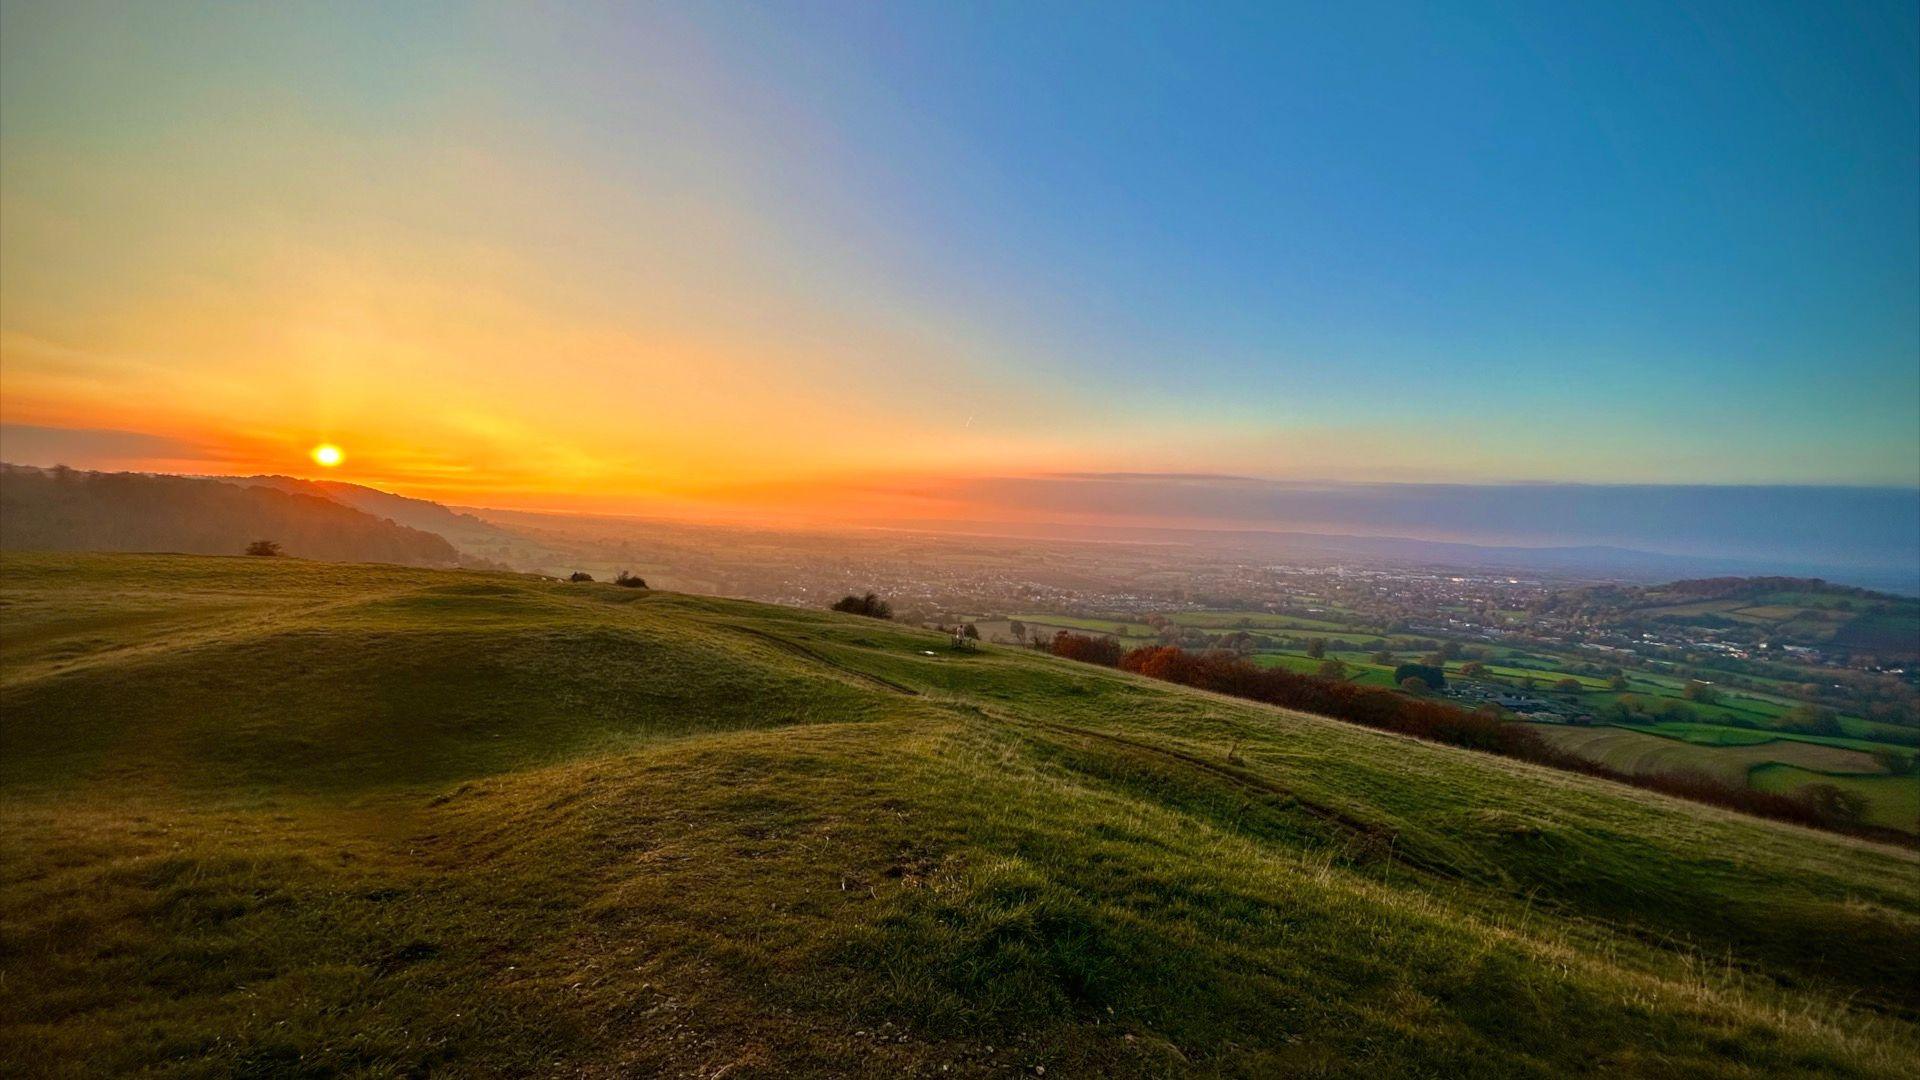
268	817
1643	752
1892	801
1798	762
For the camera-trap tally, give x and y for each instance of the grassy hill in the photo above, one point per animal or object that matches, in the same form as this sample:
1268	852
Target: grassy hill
272	817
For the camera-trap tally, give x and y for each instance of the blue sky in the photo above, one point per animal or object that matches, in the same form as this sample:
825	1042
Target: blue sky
1689	224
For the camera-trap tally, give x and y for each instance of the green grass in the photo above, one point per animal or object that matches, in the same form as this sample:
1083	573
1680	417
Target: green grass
1358	670
266	818
1721	735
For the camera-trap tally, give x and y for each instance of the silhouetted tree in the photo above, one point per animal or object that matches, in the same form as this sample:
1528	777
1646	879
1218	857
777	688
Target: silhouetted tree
579	575
264	547
631	581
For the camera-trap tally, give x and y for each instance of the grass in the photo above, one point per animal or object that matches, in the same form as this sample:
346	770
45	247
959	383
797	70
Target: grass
264	817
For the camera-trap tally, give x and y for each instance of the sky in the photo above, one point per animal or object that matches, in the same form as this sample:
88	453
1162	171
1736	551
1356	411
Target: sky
813	257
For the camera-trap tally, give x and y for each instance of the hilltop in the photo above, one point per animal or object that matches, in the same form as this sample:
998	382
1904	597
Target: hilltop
278	817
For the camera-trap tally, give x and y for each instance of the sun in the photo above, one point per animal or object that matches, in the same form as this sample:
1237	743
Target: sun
328	455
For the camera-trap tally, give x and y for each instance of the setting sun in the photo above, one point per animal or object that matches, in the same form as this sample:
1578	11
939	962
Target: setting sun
328	455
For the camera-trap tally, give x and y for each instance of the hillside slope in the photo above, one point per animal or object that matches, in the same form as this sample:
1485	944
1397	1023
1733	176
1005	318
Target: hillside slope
272	817
70	510
469	534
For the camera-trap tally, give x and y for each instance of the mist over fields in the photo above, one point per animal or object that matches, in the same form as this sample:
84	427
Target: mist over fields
1867	536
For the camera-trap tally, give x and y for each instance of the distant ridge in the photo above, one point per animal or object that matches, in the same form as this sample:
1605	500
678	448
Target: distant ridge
62	509
466	532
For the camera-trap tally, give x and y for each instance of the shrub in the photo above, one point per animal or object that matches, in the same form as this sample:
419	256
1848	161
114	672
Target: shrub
267	548
1434	676
630	581
1086	648
1811	720
579	575
1896	762
1834	804
869	605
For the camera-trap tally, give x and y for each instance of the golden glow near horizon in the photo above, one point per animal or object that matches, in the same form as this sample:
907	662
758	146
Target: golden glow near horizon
504	294
328	455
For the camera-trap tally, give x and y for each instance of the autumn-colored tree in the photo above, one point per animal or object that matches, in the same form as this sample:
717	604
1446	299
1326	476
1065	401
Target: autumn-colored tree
1087	648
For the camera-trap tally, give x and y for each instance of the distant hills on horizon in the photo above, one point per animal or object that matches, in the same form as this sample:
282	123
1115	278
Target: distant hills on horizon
62	509
71	510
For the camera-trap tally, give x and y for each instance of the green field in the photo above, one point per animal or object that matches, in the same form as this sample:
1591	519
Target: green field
263	817
1638	751
1892	801
1741	757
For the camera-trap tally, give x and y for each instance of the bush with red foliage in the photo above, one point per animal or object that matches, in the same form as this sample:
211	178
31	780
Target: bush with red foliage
1086	648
